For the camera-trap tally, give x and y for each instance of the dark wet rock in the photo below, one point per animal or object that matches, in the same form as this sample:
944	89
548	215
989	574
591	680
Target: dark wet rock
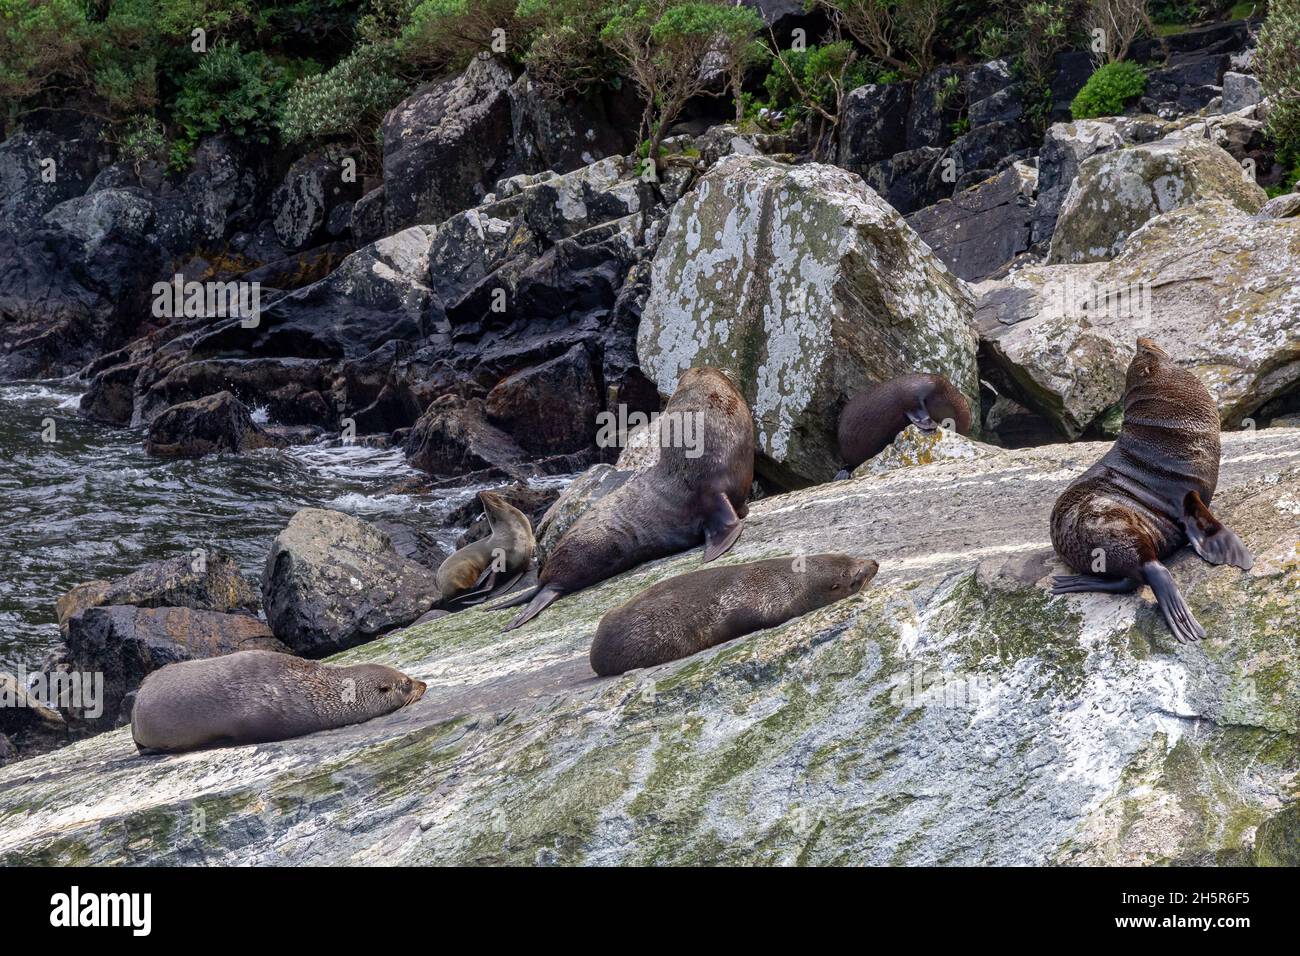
570	132
216	423
300	269
8	752
111	395
333	581
454	437
202	581
28	724
290	388
1186	86
976	155
936	106
874	124
550	408
53	157
313	188
367	221
125	644
446	144
906	179
1071	69
982	229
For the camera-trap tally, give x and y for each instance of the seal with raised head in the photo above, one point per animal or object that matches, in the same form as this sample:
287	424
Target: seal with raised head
1149	495
695	611
489	564
258	696
874	417
695	492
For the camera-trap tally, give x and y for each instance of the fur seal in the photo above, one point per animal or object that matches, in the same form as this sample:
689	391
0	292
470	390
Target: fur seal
258	696
695	492
1149	494
873	418
695	611
489	564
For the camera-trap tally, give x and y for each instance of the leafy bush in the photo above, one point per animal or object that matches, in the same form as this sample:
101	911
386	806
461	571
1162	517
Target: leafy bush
1110	88
1277	64
41	43
449	33
564	52
897	33
229	91
816	72
142	140
350	99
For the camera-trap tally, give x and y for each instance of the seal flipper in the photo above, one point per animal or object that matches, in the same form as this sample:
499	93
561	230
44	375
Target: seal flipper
521	598
540	602
1213	540
1177	614
721	529
920	417
1083	583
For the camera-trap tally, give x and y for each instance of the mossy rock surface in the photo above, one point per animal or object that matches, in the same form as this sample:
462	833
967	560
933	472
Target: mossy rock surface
954	712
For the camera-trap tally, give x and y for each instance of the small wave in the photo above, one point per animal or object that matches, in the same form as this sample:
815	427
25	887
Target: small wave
33	392
355	502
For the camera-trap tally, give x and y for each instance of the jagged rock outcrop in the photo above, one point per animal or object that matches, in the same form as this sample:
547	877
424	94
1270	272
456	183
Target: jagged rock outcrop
333	581
807	287
953	713
206	426
1116	192
981	230
1214	285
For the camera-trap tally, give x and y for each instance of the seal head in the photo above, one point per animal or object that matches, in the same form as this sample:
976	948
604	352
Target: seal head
874	417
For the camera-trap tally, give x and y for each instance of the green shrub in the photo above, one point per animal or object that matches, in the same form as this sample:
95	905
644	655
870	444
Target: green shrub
449	33
41	44
350	99
817	70
1277	64
141	139
564	51
1109	90
229	91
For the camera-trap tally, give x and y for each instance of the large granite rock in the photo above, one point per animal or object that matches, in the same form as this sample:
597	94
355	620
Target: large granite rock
1065	145
446	144
807	287
1213	285
125	644
873	126
984	228
1020	728
1116	192
333	581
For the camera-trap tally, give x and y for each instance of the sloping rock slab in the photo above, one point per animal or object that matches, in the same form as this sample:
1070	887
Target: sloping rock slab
954	713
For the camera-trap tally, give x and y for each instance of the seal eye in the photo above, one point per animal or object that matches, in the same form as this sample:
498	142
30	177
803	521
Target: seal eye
384	688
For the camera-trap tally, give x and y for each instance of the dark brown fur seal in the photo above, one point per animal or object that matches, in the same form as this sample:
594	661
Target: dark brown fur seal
873	418
489	564
668	508
258	696
692	612
1149	495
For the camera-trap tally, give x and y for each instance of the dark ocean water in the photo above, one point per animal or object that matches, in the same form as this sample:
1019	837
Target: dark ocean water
90	504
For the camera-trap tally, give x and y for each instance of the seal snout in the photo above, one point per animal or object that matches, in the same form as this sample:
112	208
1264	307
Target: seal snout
863	571
418	687
1149	345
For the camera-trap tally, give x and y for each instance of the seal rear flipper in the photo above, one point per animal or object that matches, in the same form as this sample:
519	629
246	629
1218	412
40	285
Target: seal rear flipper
1211	539
540	602
721	529
523	597
1085	583
1177	614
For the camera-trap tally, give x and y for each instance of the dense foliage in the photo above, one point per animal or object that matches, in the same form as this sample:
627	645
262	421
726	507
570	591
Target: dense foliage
1277	62
1110	88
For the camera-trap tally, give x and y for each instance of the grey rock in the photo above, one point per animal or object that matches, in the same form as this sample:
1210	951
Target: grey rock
1240	90
982	229
333	581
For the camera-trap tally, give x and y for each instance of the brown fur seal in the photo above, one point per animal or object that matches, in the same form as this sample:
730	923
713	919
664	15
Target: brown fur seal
1149	495
695	492
489	564
258	696
873	418
692	612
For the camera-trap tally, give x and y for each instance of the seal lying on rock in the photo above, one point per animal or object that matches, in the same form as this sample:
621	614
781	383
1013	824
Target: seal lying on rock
692	612
873	418
257	696
695	491
489	564
1149	495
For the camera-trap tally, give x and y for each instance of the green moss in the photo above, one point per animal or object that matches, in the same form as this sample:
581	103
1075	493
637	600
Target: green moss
1277	843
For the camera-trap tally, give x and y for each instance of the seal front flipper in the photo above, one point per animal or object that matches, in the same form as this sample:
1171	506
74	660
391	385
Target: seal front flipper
1177	614
1084	583
920	417
1213	540
721	529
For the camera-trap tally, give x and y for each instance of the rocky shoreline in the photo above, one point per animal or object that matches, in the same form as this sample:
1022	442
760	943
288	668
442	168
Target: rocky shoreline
519	273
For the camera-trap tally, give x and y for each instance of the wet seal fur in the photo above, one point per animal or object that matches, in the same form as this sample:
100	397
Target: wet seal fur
692	612
491	564
672	506
873	418
258	696
1149	495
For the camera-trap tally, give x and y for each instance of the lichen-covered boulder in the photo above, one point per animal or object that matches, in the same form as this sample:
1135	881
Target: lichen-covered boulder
333	581
952	713
1065	145
1214	286
1117	192
312	189
915	447
806	286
